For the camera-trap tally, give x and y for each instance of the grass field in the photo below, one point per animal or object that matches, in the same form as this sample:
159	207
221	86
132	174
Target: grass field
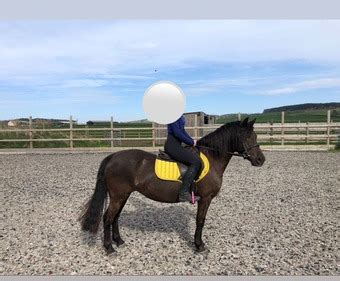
147	133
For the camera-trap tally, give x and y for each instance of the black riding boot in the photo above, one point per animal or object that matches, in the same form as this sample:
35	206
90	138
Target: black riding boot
187	180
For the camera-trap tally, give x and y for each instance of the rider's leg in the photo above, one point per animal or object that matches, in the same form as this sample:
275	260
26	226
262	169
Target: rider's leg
179	153
187	181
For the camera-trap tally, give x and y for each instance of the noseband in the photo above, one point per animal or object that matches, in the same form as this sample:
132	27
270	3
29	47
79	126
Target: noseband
244	153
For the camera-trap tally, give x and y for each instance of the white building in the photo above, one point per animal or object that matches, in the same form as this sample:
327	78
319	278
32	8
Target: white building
12	124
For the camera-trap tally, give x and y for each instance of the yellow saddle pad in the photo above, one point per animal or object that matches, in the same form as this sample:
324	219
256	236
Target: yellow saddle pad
168	170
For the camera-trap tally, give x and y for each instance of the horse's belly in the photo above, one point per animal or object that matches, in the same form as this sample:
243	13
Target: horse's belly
161	191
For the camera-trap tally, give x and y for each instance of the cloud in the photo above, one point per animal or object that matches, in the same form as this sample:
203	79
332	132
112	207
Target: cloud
137	47
87	83
76	98
126	76
48	63
86	53
205	87
304	86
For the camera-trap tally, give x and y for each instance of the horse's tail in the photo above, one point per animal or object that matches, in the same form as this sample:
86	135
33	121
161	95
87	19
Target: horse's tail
93	209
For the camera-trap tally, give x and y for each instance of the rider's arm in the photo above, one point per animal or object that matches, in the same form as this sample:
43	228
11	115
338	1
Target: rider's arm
181	134
186	133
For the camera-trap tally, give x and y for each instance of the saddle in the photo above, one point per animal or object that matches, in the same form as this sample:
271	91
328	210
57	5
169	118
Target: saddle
168	169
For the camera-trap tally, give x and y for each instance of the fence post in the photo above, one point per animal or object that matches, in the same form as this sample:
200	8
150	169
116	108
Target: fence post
196	130
87	131
271	132
71	132
153	135
30	132
111	123
328	127
282	130
307	133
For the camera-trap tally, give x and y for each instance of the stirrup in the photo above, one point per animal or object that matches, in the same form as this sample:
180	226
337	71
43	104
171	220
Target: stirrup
194	197
187	197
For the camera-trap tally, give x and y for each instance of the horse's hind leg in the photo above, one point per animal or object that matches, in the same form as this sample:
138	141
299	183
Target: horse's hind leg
108	219
107	230
115	228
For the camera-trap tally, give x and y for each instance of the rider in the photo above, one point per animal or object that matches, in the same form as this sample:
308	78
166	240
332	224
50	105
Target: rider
173	147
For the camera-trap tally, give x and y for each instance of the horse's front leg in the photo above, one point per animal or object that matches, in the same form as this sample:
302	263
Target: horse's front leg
202	209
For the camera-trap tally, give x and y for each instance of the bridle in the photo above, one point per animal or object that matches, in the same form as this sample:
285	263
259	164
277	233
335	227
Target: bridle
244	154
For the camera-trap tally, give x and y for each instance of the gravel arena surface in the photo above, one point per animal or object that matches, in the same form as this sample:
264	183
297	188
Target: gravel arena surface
279	219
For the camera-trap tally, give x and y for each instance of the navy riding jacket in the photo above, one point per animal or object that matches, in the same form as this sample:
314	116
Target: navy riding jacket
177	129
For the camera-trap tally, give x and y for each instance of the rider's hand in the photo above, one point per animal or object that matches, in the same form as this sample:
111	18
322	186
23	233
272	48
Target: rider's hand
195	141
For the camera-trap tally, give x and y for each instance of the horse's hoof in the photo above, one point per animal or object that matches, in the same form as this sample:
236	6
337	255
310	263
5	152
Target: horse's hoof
109	249
201	249
119	242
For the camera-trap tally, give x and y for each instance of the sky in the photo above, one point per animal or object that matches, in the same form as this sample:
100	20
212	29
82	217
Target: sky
93	70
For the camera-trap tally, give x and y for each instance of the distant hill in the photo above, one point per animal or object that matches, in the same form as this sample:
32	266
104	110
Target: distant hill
308	112
305	106
139	121
38	120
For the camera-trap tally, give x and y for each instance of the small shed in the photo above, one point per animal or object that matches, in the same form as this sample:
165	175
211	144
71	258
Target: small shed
98	123
192	119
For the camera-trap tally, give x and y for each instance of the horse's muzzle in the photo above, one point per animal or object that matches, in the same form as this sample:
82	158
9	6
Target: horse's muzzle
258	160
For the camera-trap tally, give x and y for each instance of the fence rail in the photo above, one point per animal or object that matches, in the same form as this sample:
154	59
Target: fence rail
270	133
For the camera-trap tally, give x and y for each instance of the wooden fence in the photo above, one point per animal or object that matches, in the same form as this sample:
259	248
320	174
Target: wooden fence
327	134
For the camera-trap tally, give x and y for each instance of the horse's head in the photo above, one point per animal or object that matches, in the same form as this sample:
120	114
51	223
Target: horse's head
247	146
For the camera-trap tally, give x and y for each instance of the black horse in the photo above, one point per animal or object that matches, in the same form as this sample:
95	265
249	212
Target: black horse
130	170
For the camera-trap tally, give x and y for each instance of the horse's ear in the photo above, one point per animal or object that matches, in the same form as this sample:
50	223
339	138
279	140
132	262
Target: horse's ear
251	123
245	122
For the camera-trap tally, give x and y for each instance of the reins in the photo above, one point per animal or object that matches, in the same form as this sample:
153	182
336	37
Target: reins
244	154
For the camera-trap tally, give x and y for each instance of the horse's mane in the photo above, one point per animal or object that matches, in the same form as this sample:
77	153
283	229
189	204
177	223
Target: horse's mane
223	139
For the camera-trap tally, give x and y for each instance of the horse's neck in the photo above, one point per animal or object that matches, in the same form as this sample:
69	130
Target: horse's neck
220	162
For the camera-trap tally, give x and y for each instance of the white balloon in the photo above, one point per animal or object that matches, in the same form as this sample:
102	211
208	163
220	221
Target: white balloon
164	102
